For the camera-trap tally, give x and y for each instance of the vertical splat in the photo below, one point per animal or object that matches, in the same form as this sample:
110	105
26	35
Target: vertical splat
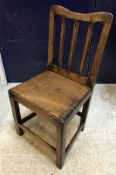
73	44
62	38
86	48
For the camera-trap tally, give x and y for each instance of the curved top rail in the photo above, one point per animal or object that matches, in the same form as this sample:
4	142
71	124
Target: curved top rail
87	17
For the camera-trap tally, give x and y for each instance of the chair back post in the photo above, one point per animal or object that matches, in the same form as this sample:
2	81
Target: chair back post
51	36
100	48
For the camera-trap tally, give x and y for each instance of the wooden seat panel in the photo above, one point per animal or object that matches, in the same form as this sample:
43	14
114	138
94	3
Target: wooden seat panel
51	92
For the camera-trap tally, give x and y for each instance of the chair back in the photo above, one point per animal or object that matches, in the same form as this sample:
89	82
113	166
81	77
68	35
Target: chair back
91	19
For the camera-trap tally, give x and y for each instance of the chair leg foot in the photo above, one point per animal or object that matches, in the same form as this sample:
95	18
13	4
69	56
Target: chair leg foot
60	146
16	115
20	132
59	165
82	129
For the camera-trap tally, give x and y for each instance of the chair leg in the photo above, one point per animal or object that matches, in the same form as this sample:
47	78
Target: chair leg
16	115
60	145
85	112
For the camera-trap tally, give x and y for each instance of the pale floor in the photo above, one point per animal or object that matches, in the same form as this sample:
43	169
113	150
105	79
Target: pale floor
94	152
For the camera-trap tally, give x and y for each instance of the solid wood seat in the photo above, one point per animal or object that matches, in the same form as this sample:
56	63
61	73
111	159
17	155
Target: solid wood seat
51	92
60	92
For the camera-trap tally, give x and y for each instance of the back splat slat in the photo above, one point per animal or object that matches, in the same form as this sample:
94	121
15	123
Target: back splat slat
62	37
73	44
86	48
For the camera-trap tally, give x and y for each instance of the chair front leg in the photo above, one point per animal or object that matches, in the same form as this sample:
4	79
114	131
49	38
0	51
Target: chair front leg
84	113
16	115
60	145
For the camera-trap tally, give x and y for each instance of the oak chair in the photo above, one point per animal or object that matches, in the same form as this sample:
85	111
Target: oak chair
59	93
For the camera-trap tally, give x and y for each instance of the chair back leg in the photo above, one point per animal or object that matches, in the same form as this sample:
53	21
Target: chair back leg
60	145
85	112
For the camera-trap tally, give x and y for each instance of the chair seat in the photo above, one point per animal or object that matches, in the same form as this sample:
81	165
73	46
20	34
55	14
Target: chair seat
52	93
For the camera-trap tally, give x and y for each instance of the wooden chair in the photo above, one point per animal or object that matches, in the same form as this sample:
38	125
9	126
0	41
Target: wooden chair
59	93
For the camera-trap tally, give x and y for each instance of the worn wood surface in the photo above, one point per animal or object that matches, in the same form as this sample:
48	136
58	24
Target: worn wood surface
16	115
35	136
69	74
51	37
60	145
86	17
100	49
62	38
52	92
86	48
73	44
85	112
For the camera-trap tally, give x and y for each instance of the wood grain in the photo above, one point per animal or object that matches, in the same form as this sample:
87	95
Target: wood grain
62	38
86	48
51	36
73	44
16	115
86	17
48	90
68	74
60	145
100	49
